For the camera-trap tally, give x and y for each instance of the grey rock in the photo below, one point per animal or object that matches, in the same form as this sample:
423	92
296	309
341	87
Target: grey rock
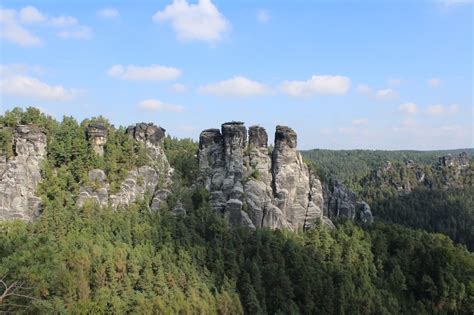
97	135
149	180
341	202
252	188
258	136
21	174
364	213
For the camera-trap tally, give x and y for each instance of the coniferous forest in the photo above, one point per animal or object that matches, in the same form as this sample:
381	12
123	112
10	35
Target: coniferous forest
415	259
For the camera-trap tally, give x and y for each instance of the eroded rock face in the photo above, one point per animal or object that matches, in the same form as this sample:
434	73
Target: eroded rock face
149	179
341	202
256	189
461	161
21	174
97	135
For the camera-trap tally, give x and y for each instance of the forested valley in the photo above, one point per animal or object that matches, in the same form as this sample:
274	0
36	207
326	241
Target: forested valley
415	259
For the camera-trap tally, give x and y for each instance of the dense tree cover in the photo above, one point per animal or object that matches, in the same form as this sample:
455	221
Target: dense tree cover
441	200
350	166
444	211
131	260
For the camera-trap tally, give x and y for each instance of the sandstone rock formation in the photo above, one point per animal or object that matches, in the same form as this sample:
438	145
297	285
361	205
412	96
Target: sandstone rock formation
461	161
341	202
20	174
256	189
149	179
97	135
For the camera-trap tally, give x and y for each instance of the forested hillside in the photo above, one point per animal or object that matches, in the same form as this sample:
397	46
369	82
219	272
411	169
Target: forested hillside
410	188
96	260
350	166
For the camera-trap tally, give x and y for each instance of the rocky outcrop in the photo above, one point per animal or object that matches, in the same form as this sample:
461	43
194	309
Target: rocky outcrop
21	174
149	179
341	202
461	161
97	135
254	188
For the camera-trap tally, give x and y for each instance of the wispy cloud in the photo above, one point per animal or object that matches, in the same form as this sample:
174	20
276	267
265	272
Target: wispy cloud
236	86
386	95
156	105
109	13
13	26
434	82
26	86
317	84
408	108
360	121
178	88
145	73
439	109
263	16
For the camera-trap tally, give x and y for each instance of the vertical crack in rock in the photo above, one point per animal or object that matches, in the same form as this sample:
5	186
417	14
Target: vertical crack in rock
21	174
252	187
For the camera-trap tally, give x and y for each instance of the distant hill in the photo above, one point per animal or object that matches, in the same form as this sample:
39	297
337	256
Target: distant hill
349	166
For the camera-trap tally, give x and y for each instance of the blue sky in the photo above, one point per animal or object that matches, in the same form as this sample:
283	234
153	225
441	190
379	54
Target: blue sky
343	74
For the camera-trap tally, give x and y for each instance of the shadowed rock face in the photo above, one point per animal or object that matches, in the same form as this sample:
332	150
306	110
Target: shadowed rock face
341	202
20	174
97	135
254	189
258	136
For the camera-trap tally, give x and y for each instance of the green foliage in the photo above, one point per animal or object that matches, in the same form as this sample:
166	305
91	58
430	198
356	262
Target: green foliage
6	142
98	260
181	154
350	166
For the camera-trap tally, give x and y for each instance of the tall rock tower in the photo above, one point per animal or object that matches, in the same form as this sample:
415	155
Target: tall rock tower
254	187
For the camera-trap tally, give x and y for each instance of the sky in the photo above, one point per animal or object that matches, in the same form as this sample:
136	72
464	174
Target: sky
343	74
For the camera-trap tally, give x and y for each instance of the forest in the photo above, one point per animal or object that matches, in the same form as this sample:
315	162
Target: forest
94	260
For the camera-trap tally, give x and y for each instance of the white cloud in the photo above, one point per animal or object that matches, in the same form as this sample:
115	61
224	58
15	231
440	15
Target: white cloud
63	21
263	16
29	87
408	108
439	109
434	82
236	86
318	84
150	73
394	82
109	13
360	121
156	105
80	32
12	26
364	89
30	14
435	110
8	70
178	88
386	95
11	30
201	21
